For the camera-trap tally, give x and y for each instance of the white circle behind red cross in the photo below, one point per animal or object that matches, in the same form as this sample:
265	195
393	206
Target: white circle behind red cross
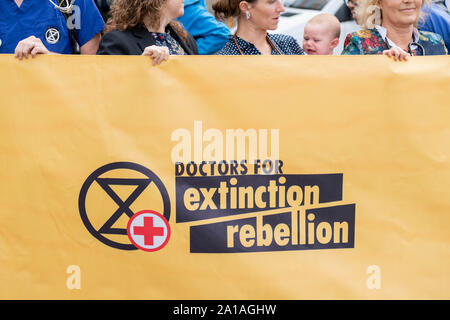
148	230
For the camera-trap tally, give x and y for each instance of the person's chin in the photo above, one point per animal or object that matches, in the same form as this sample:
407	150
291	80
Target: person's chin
273	25
407	21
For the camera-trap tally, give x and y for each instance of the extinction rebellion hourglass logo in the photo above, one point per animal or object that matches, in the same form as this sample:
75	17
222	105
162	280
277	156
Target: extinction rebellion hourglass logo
126	206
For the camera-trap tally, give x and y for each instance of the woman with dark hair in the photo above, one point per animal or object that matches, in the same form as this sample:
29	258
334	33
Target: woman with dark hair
254	18
147	27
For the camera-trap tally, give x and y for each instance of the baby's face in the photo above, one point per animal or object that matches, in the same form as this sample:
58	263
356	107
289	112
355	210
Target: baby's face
317	39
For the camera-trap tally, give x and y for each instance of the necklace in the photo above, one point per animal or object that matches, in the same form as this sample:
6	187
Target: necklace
272	45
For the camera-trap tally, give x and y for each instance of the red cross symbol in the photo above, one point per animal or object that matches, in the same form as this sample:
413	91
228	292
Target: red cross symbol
148	231
154	228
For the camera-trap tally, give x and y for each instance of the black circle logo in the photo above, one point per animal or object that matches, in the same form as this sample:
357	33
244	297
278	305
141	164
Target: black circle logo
139	185
52	35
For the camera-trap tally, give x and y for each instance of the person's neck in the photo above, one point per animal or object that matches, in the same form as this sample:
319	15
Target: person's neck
401	36
18	2
252	34
162	25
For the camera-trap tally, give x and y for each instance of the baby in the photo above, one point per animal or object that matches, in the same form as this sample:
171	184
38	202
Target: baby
321	34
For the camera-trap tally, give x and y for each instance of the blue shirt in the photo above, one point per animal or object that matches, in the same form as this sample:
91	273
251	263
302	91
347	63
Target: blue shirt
39	18
284	43
437	20
210	34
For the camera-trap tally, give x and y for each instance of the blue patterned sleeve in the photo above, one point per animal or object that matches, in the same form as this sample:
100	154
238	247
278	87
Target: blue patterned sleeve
440	40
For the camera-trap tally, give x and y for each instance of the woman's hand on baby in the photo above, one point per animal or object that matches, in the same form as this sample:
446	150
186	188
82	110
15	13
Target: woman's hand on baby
397	54
158	54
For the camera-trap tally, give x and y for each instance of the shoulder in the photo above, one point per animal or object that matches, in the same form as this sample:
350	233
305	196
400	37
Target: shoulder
87	16
229	48
286	43
364	41
118	35
363	34
434	41
191	2
116	43
191	9
430	36
352	42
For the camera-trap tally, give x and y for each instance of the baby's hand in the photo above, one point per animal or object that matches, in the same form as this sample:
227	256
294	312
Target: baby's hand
397	54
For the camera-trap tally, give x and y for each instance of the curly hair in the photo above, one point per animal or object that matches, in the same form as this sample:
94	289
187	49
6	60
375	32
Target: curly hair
369	13
128	14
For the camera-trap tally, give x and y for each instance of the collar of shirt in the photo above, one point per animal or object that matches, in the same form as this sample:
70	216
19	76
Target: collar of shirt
383	33
244	45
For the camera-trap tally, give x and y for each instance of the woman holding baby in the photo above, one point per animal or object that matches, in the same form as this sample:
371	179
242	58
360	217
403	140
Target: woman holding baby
254	19
390	27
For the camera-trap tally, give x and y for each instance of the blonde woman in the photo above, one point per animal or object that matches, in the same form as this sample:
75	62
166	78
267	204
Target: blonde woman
390	27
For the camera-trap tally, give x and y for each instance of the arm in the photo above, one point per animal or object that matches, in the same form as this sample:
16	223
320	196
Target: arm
91	47
113	43
118	43
89	26
296	48
437	21
210	34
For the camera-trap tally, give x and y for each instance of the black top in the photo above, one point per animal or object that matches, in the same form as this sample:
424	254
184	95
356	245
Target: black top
134	41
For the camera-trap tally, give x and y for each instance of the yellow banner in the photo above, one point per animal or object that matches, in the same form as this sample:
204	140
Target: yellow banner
225	178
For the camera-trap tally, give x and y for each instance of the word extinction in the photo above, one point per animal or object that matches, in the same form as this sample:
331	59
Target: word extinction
231	196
